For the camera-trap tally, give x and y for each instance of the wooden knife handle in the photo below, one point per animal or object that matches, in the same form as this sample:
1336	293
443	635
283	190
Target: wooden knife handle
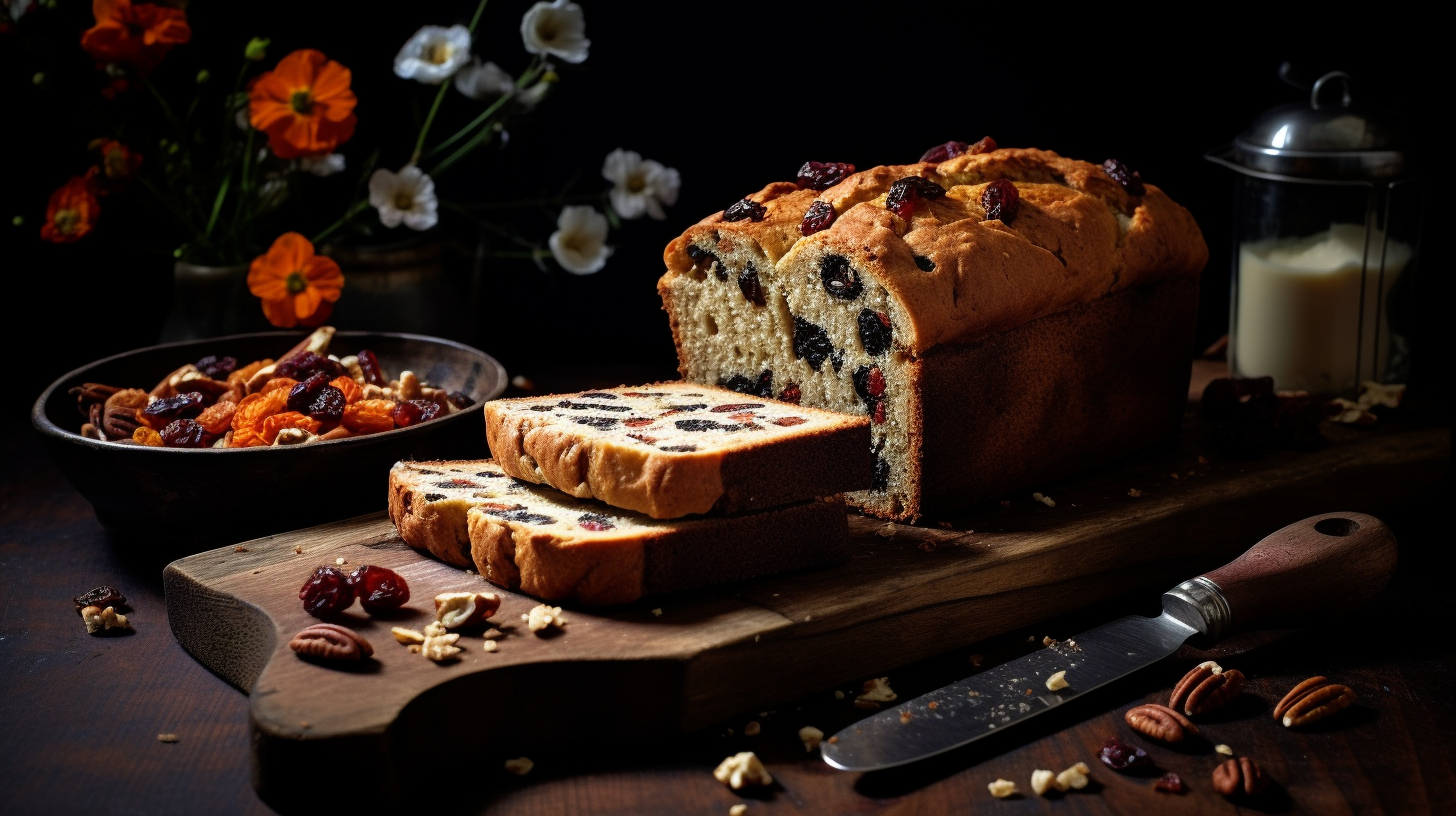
1322	566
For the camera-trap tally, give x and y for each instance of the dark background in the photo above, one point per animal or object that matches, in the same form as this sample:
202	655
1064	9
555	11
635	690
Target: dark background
734	97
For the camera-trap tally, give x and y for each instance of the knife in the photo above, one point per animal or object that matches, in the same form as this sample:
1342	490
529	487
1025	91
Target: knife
1321	566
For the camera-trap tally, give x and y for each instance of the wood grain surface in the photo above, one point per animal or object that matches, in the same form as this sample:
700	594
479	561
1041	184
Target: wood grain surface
82	713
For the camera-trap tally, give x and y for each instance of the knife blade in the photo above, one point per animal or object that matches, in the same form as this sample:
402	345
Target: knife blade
1321	565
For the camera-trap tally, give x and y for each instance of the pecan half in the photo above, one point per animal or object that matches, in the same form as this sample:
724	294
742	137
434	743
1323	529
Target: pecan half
89	394
1242	775
1160	723
455	610
119	422
1312	701
1205	688
168	386
328	641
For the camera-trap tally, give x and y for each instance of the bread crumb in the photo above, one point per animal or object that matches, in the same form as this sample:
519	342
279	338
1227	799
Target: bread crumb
876	691
742	769
1223	749
808	618
1005	502
838	695
520	766
166	738
811	737
887	531
657	613
1057	682
1002	788
945	525
752	728
340	561
297	549
738	809
492	633
240	548
905	717
755	638
1134	492
470	572
977	659
832	740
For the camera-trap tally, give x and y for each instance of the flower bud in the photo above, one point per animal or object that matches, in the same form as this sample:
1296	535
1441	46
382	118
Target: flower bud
17	221
38	78
203	76
257	49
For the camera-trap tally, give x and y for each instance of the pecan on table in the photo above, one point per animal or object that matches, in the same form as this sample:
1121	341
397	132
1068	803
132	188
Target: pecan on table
1242	775
327	641
1160	723
1312	701
1205	688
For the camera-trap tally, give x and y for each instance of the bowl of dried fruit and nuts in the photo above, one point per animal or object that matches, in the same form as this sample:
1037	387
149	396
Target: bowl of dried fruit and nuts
215	441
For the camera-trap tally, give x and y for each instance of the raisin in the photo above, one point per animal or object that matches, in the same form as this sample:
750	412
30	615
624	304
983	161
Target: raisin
302	393
1130	180
869	382
950	150
762	387
217	367
185	433
751	210
837	360
679	409
457	484
791	394
597	422
811	343
298	367
839	278
597	395
460	399
679	448
326	592
591	406
369	364
822	175
328	405
182	406
1170	783
749	285
874	331
703	425
102	596
905	192
817	218
880	479
524	516
707	260
490	474
1001	200
434	497
925	264
379	589
737	406
596	522
1119	756
543	407
406	414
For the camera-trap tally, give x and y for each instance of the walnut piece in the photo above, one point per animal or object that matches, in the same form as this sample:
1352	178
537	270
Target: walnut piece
1223	749
544	617
1042	781
455	610
811	737
876	691
441	648
520	766
1074	777
742	769
100	620
1057	682
407	636
1374	393
738	809
1002	788
166	738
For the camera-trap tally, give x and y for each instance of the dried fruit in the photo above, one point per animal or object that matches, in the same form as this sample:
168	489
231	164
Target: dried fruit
184	433
839	279
1119	756
161	411
905	192
102	596
698	425
288	419
595	522
1001	200
250	415
762	387
1312	701
369	364
327	406
811	343
869	384
406	414
791	394
817	218
326	592
280	384
147	436
874	332
1160	723
328	641
822	175
350	389
751	210
218	417
1125	176
379	589
925	264
705	260
1206	687
1242	775
1169	783
749	285
302	393
950	150
218	368
119	421
880	478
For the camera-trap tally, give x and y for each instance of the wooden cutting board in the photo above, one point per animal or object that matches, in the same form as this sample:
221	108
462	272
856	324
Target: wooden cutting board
908	593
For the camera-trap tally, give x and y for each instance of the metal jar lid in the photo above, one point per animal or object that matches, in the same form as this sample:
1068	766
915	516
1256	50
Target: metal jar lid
1328	138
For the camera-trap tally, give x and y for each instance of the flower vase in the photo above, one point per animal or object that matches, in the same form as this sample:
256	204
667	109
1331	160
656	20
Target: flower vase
417	286
211	301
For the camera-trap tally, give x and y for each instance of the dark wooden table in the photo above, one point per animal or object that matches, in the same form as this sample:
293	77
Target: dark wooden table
80	715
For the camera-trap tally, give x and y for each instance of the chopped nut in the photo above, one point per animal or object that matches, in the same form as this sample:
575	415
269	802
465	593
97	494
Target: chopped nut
657	613
1002	788
409	386
434	629
1349	413
407	636
1134	492
1223	749
240	548
544	617
492	633
455	610
441	648
905	717
1048	640
1074	777
489	646
1374	393
738	809
887	531
294	436
297	550
1042	781
838	695
100	620
520	766
811	737
166	738
1057	682
876	691
1047	500
742	769
340	561
752	728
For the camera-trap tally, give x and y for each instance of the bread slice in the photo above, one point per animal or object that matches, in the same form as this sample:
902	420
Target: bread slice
542	542
674	449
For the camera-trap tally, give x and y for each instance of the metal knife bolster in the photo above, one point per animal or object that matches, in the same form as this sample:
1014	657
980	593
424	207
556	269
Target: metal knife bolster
1201	604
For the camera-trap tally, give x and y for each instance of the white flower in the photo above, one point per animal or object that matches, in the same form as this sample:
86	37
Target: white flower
640	186
532	96
579	243
407	196
322	166
556	28
479	81
433	54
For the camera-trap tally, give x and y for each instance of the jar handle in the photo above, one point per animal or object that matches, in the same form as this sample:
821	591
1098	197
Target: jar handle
1319	84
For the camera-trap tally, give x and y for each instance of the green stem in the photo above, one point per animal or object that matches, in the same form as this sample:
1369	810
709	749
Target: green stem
440	95
166	108
222	192
348	216
532	72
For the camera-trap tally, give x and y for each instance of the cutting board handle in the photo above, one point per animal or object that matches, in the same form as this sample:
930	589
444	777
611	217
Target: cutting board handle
1318	567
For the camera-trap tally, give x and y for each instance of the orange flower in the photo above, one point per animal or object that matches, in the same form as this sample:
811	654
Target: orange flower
138	34
304	105
71	212
296	285
118	165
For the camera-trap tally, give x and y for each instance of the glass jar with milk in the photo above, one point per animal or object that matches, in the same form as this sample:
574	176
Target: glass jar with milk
1325	247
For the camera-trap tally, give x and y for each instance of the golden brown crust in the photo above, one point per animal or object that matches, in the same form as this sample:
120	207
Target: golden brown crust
435	527
785	205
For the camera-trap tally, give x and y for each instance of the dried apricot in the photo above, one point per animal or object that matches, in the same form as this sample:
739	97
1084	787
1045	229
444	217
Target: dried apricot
218	418
285	384
288	419
250	414
369	416
352	392
147	436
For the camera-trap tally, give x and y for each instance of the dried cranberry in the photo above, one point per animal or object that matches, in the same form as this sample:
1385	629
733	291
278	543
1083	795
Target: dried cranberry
406	414
950	150
839	278
880	478
791	394
822	175
905	192
702	425
369	365
1170	783
429	409
877	416
379	589
326	592
749	285
1119	756
217	367
328	404
707	260
811	343
460	399
874	331
297	367
762	387
303	393
817	218
925	264
185	433
751	210
869	382
1124	175
182	406
595	522
1001	200
102	596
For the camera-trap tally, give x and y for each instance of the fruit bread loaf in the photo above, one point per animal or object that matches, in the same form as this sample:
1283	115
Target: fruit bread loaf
556	547
1003	316
674	449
